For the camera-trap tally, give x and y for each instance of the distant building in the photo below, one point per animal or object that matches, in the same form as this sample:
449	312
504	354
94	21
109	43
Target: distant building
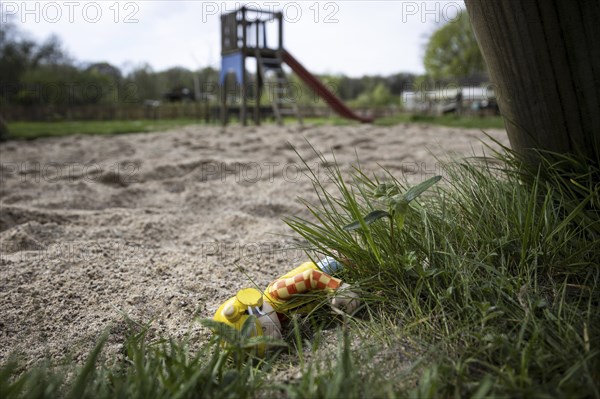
466	99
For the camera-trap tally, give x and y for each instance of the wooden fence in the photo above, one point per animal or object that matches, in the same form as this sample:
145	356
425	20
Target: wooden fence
167	111
164	111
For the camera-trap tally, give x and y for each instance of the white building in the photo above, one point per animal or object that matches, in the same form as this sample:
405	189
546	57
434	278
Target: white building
444	99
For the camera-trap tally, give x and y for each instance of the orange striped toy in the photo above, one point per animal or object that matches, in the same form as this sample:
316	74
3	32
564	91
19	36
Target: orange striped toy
303	279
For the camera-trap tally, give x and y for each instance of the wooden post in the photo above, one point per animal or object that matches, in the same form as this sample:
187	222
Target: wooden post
543	58
224	31
258	94
280	24
244	105
257	27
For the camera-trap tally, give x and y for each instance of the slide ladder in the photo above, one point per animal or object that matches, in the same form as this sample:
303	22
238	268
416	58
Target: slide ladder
321	90
282	103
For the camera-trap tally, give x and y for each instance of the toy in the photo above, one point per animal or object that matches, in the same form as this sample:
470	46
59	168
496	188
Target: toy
288	294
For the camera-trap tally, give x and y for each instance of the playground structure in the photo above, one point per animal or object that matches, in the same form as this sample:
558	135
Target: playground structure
244	35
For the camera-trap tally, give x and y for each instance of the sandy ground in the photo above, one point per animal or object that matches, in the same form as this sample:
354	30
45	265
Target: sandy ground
166	226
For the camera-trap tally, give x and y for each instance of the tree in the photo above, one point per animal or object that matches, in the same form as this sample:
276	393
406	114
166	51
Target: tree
379	96
15	55
543	57
106	69
144	81
452	51
50	52
19	56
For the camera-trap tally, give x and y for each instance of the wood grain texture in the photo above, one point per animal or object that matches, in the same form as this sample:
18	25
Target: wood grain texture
544	58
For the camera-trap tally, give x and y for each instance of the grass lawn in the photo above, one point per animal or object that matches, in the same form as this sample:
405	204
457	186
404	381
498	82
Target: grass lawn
31	130
471	122
333	120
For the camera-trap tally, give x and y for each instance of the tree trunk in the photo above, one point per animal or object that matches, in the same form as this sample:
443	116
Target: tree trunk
544	59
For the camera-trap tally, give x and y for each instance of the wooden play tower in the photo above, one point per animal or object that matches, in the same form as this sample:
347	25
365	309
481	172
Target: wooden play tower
244	35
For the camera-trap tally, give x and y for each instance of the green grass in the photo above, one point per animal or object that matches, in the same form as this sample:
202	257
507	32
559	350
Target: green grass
496	274
159	368
333	120
164	368
31	130
489	289
470	122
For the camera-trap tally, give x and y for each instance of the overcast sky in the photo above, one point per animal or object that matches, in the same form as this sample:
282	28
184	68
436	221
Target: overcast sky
351	37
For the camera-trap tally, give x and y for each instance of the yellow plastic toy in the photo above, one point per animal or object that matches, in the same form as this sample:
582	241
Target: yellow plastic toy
285	295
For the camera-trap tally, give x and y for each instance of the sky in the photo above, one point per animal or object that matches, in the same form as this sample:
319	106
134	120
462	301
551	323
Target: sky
351	37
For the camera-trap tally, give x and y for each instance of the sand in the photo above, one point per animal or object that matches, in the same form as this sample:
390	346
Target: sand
166	226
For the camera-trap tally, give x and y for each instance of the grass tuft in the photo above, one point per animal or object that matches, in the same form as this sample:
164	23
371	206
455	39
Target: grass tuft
496	271
150	369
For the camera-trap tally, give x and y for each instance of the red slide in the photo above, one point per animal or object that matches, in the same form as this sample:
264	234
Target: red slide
321	90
